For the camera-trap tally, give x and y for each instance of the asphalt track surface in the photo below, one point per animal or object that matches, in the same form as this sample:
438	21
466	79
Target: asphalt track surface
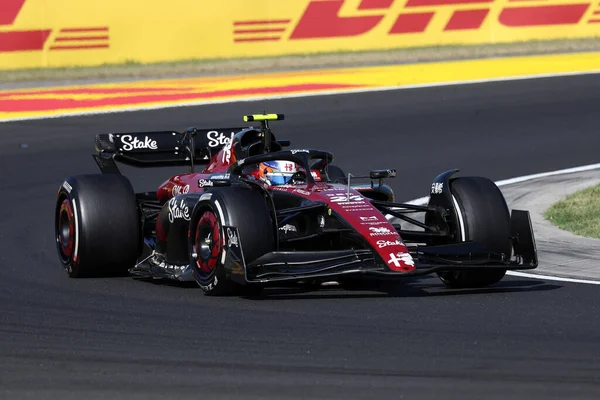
122	338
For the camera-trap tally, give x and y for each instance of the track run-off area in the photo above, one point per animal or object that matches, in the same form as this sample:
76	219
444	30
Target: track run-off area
122	338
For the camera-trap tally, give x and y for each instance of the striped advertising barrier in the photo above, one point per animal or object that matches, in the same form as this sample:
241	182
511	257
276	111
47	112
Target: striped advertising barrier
58	33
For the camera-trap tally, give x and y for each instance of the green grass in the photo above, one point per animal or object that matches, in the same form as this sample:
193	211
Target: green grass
578	213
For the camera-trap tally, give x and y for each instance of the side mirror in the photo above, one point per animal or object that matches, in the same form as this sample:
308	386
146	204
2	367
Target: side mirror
382	173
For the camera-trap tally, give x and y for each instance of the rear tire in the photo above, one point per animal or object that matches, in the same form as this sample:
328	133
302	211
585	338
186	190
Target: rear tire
486	220
97	225
244	208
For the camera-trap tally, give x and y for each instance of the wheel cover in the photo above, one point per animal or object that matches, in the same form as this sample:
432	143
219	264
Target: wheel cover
65	231
208	243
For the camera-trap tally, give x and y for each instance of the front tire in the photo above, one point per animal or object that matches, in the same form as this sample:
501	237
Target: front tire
97	226
483	217
242	207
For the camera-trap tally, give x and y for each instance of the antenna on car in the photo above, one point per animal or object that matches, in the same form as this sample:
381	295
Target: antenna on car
348	192
266	130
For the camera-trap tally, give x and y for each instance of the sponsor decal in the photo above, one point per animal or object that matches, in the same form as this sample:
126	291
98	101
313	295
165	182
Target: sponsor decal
301	191
372	218
178	209
288	228
437	188
130	142
67	187
232	238
283	187
396	258
299	151
373	223
344	199
27	40
321	220
221	176
177	190
385	243
169	267
346	19
205	183
359	204
216	139
383	231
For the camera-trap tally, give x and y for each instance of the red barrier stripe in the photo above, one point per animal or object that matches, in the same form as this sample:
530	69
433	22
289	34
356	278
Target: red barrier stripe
123	91
23	40
466	19
83	47
425	3
237	31
265	22
77	38
543	15
9	11
375	4
99	29
411	23
259	39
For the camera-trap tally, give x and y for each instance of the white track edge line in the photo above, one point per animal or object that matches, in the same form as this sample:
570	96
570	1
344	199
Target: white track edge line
519	179
301	95
552	278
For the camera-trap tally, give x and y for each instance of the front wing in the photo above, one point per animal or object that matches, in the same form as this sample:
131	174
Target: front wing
279	266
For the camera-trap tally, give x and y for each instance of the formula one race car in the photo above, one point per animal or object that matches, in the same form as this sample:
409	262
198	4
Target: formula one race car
259	215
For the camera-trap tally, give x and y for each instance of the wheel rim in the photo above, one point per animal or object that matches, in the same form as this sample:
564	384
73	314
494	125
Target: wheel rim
65	231
208	243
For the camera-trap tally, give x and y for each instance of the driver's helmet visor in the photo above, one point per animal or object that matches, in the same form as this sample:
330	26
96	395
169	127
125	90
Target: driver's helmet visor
279	172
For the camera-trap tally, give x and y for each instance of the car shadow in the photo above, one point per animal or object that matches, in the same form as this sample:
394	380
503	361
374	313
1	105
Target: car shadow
168	282
399	289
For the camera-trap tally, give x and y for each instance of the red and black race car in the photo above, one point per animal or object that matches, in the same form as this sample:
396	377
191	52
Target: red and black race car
258	215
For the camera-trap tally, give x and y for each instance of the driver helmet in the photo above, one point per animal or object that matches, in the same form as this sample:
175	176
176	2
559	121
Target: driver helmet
278	172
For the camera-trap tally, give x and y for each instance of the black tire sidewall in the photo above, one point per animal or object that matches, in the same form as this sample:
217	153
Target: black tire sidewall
108	224
484	216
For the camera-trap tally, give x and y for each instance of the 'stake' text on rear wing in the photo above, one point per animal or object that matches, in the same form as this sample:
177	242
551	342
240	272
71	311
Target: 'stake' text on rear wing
161	148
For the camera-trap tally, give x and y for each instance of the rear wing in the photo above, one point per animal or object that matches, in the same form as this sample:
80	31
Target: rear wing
161	148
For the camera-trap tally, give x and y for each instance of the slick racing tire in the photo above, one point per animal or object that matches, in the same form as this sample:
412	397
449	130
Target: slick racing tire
97	225
244	208
485	219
